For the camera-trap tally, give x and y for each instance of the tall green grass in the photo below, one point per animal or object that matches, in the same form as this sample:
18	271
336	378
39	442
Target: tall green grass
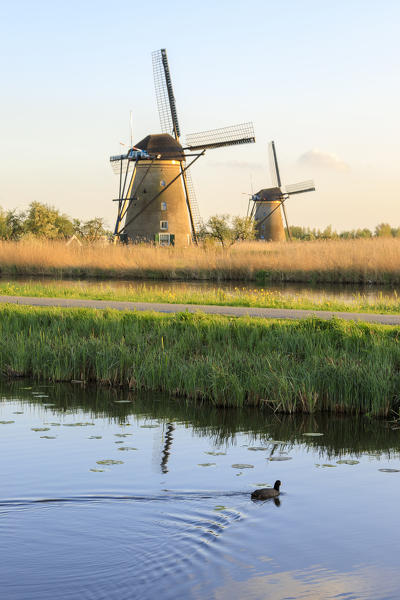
304	366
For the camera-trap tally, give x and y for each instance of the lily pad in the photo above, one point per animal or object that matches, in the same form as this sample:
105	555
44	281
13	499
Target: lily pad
48	437
122	434
109	461
127	448
220	507
98	470
279	458
18	412
40	428
242	466
6	422
262	485
123	401
257	448
313	434
149	426
95	437
216	453
389	470
206	465
54	424
347	462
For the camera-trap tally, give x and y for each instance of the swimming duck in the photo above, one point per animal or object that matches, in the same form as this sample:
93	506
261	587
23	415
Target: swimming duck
265	493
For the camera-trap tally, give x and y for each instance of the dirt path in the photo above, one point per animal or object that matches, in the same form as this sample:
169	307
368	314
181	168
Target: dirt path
232	311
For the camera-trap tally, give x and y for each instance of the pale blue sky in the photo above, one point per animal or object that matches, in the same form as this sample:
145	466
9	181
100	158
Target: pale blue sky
320	78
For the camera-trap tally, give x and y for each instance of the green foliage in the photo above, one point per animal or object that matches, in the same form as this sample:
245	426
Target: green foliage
91	231
383	230
307	365
11	224
228	230
307	234
44	221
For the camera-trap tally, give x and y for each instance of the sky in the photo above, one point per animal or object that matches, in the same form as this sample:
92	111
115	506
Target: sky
320	78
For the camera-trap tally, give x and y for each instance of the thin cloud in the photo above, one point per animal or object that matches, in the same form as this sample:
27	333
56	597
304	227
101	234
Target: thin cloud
322	160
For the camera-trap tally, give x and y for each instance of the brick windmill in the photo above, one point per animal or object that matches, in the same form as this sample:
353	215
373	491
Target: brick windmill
269	203
156	197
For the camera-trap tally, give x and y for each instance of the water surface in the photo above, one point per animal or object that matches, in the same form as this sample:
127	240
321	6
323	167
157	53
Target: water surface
111	495
347	293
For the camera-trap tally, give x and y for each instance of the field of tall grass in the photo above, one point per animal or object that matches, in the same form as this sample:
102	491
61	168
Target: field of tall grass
307	365
336	261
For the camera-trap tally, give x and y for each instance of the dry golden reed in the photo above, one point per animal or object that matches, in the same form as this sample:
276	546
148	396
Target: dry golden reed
373	260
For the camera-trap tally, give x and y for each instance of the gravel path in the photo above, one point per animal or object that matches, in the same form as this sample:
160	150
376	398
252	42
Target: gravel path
231	311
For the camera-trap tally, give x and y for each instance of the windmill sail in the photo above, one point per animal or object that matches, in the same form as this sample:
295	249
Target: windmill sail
300	188
273	166
194	206
165	94
121	163
226	136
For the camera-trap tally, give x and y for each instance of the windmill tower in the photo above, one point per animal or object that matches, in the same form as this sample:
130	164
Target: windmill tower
156	194
268	202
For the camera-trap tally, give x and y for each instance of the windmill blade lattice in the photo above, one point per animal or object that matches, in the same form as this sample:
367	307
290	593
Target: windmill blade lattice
300	188
120	163
165	94
226	136
193	201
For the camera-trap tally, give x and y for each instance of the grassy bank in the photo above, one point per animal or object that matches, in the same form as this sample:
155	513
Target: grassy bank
345	261
385	303
290	366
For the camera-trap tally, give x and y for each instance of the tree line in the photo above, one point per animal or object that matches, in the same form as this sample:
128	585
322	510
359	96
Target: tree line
228	230
46	222
43	221
306	233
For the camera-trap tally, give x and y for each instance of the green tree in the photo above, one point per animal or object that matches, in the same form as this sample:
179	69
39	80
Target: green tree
91	231
383	230
46	222
11	224
15	224
243	228
228	230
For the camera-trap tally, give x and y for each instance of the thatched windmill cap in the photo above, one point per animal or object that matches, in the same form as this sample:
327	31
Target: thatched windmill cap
270	195
164	144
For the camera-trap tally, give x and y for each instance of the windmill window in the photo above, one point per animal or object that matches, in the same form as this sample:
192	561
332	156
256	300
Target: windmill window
164	225
163	206
164	239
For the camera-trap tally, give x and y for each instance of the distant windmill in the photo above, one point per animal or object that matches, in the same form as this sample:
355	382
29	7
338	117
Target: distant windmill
156	195
266	209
